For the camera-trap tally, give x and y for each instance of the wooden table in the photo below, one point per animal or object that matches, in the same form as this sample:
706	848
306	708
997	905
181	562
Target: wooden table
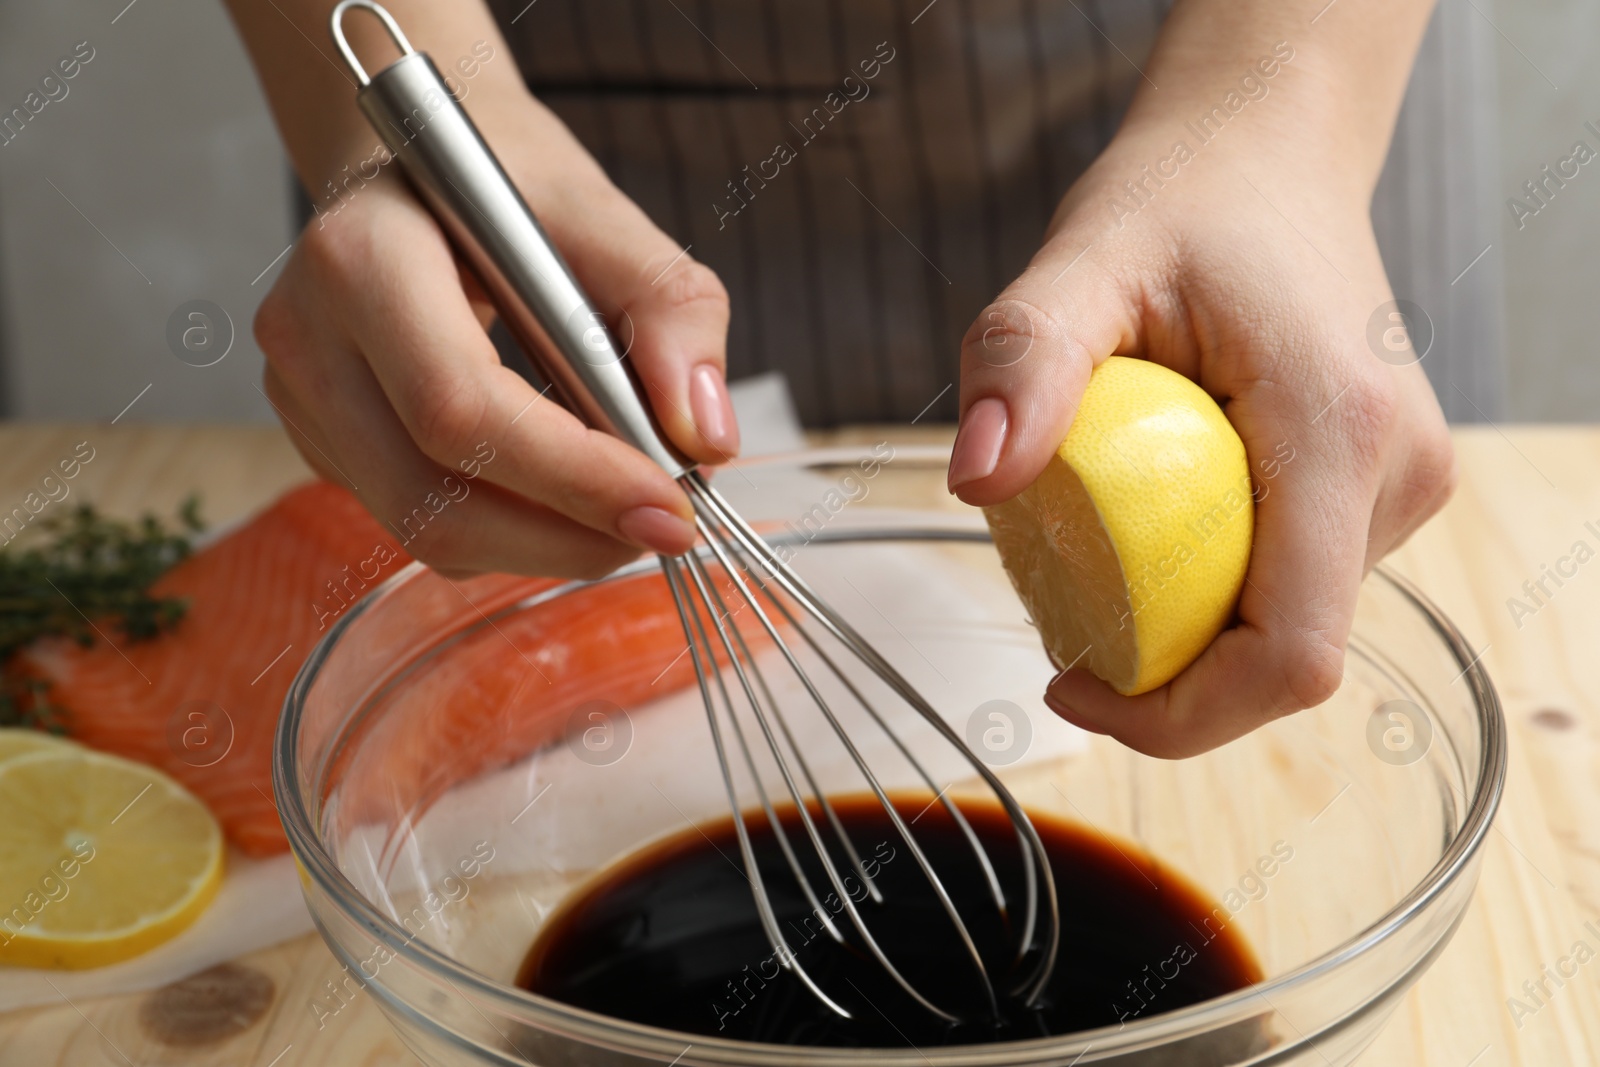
1525	495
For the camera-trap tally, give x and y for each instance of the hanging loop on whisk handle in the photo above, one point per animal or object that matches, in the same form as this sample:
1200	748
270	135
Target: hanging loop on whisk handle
531	286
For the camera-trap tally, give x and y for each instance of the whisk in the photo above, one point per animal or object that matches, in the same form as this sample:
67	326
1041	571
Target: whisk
458	177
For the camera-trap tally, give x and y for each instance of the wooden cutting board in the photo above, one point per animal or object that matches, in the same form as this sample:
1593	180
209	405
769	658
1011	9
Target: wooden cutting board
1524	498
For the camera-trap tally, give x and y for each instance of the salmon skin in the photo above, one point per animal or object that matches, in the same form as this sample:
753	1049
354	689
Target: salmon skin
202	701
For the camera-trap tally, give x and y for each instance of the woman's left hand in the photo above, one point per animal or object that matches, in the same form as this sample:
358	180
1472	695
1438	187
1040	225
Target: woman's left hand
1258	282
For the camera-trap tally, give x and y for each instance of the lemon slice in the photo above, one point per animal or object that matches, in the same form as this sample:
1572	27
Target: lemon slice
20	741
1130	549
101	858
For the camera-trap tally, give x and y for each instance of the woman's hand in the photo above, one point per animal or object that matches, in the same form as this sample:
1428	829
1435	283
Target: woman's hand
376	343
1248	274
380	364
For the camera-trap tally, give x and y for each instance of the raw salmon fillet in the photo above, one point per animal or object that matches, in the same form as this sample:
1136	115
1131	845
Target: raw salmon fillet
539	675
259	599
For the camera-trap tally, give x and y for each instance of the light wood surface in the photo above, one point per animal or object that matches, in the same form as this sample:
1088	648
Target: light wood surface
1524	498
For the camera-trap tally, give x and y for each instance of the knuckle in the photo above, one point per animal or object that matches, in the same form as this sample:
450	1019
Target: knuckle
284	336
1372	403
1004	322
686	284
1367	417
1009	329
328	253
1429	477
275	324
343	257
1312	672
1435	464
446	417
1449	483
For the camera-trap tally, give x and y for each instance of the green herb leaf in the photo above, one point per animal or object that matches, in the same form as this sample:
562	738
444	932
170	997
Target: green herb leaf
88	572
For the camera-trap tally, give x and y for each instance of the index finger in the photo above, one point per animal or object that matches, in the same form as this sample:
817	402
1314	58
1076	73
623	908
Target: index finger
438	369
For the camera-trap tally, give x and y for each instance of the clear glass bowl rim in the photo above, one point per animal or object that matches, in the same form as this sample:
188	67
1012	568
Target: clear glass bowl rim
609	1032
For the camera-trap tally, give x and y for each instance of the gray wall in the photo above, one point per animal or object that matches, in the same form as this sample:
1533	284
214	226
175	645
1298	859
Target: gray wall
163	144
1549	87
1436	215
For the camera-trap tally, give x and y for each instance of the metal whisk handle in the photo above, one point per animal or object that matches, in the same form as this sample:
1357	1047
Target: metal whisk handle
469	193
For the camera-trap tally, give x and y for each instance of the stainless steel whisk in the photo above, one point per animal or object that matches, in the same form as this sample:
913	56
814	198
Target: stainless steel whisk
461	181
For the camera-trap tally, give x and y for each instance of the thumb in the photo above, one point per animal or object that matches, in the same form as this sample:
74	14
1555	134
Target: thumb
1024	364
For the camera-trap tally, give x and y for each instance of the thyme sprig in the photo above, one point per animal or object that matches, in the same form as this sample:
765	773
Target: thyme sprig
86	567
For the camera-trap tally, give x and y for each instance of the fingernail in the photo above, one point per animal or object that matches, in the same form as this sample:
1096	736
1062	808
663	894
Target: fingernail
712	408
977	450
657	529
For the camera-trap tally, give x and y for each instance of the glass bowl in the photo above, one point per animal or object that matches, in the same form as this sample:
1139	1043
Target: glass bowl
456	758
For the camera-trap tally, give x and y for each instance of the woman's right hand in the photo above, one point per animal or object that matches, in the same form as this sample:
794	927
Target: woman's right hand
380	365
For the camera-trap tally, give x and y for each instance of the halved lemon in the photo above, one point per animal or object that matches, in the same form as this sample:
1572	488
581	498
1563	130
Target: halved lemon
1130	549
101	858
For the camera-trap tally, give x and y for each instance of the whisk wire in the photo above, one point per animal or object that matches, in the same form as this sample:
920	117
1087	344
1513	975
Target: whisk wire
779	833
934	882
776	710
700	578
996	892
1038	870
689	617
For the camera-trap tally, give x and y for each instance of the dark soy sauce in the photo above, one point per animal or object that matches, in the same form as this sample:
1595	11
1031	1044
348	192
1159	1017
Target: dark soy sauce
670	937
